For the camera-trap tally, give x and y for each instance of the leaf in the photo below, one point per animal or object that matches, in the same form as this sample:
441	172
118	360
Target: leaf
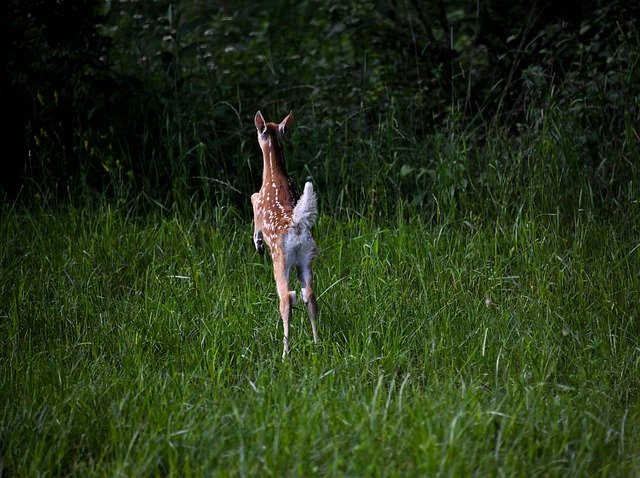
406	170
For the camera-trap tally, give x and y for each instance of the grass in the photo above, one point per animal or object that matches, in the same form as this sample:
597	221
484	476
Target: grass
136	345
478	280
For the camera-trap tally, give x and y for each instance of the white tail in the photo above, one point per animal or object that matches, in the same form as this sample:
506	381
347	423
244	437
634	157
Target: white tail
306	209
284	221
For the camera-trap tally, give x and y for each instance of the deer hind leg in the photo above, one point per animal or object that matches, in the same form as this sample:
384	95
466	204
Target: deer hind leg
306	280
258	240
287	298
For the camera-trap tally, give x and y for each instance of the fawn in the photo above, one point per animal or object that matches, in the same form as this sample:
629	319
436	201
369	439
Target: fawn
284	220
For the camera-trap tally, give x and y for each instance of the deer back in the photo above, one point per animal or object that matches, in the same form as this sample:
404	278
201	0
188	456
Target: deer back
277	196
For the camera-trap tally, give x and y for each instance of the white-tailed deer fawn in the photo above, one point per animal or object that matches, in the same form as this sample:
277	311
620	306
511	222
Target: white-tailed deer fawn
284	220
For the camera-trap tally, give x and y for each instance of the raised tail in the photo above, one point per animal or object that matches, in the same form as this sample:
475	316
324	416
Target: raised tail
306	209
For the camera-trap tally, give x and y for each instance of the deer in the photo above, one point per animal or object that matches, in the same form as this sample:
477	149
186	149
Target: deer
284	220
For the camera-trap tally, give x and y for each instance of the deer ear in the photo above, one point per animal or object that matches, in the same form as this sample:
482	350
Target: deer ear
286	124
260	123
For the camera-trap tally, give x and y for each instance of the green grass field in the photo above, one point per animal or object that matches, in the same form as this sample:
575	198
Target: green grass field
478	181
137	345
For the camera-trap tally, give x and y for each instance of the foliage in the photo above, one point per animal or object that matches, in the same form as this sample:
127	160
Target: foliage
478	183
156	98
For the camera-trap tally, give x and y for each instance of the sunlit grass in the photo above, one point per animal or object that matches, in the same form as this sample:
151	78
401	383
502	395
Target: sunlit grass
137	345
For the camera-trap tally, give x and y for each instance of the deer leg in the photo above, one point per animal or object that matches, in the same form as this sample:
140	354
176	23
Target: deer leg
306	280
258	240
286	297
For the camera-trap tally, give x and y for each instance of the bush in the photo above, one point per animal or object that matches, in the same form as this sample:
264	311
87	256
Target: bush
434	106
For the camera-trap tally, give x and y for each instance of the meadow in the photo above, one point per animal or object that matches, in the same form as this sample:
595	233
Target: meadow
149	344
476	165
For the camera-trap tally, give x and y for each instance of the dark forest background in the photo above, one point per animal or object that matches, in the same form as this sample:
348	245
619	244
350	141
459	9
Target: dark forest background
128	98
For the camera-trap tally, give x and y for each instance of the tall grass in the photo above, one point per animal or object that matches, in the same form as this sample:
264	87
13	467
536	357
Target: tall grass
138	344
477	280
477	294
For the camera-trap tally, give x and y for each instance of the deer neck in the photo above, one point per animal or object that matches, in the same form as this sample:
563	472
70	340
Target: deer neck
273	158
